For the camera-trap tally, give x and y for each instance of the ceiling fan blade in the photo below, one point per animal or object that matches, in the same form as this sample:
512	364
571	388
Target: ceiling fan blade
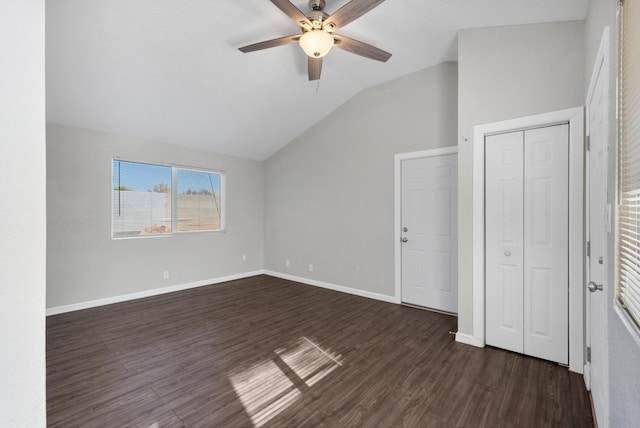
360	48
291	11
351	11
270	43
315	68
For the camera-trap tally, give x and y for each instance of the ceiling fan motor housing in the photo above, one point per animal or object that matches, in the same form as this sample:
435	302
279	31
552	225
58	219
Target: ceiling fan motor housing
317	10
316	4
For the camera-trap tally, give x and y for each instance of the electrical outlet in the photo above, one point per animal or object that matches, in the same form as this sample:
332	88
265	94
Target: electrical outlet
244	257
286	263
310	268
165	274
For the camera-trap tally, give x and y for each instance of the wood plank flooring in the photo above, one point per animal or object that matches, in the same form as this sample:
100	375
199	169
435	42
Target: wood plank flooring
268	352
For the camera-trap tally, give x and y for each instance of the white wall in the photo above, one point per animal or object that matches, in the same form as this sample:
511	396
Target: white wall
623	343
506	73
329	194
22	214
85	264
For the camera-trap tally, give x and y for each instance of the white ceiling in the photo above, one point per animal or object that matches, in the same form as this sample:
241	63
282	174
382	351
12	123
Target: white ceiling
170	70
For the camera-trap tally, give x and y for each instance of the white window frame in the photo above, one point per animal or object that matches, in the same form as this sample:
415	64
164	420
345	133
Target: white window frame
174	199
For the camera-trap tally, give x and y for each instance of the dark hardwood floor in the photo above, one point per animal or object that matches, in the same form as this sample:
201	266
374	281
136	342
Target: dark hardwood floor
268	352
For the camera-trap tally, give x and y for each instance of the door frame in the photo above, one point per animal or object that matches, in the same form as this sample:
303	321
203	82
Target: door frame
442	151
575	118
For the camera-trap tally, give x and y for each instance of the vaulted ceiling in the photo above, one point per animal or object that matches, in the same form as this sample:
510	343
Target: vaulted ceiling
170	70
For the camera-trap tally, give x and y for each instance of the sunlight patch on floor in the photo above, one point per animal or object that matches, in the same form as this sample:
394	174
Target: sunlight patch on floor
269	387
308	361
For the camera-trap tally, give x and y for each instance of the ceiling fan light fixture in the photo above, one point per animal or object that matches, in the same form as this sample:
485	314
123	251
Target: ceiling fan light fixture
329	27
316	43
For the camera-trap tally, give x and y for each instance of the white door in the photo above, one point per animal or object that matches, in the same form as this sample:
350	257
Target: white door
546	243
429	232
527	211
504	241
596	371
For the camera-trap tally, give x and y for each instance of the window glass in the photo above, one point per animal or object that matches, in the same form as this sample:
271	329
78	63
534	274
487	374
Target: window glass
198	200
141	199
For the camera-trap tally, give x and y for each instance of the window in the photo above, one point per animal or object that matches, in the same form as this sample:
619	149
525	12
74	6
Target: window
628	221
149	199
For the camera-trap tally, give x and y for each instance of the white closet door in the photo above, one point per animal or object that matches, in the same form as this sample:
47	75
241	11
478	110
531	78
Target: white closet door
527	241
504	241
546	243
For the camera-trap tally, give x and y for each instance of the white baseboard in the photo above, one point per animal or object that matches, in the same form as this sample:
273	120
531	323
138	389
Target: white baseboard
147	293
341	288
179	287
467	339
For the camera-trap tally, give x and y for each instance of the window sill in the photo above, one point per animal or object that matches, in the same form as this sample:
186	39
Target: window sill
627	322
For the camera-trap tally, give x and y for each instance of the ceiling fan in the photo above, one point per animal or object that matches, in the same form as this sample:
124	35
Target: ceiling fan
318	28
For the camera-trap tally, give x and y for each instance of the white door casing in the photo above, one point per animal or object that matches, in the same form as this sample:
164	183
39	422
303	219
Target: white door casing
527	242
596	371
427	265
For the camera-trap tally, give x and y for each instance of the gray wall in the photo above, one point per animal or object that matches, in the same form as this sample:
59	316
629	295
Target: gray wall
506	73
624	349
22	214
84	263
330	193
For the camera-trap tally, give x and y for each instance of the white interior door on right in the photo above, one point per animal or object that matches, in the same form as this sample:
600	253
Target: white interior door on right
527	242
596	370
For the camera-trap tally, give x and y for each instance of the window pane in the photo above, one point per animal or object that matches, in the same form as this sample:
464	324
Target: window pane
141	199
198	206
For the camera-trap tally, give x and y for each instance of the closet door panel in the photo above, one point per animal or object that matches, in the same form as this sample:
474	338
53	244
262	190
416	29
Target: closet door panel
546	243
504	240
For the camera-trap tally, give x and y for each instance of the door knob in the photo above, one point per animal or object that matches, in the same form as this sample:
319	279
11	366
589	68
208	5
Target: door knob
404	239
593	287
507	253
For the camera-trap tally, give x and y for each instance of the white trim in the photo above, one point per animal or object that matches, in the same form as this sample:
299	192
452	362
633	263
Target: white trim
442	151
575	118
179	287
468	339
335	287
587	378
147	293
627	322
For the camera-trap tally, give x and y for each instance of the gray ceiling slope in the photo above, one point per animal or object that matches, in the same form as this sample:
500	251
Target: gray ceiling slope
170	70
